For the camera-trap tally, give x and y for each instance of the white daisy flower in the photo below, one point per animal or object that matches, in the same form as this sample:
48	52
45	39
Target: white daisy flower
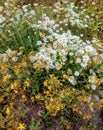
93	86
89	99
71	79
76	73
58	65
78	60
85	58
81	51
39	42
25	8
14	59
83	64
89	48
71	54
92	79
2	18
1	8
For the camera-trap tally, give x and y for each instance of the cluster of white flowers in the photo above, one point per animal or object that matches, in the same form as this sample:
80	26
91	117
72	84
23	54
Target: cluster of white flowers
55	48
8	54
2	19
92	79
3	57
24	14
56	45
1	8
75	18
45	24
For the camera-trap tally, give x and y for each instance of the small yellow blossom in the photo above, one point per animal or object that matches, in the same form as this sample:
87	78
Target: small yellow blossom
23	64
91	105
23	97
38	96
8	112
1	99
6	78
101	101
45	83
21	48
68	126
32	99
65	76
27	83
47	68
21	126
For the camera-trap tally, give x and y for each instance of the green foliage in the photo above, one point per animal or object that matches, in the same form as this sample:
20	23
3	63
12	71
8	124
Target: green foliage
34	126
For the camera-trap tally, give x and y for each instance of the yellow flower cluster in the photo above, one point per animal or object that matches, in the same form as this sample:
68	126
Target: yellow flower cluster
13	84
53	98
87	106
55	95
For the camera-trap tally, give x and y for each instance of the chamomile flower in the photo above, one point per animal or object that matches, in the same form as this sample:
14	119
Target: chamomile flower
1	8
92	79
58	65
81	51
71	79
89	48
78	60
39	42
76	73
93	86
14	59
83	64
2	19
85	58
